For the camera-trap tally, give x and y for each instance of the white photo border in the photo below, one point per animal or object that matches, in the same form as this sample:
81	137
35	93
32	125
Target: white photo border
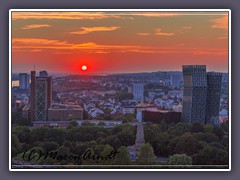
118	10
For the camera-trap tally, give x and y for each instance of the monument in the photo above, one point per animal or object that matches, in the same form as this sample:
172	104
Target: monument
134	150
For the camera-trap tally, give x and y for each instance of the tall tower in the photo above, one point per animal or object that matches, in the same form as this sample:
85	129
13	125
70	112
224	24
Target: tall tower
214	82
23	81
32	95
43	97
195	94
138	91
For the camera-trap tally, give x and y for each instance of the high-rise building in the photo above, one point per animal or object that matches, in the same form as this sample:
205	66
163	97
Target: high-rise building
23	81
138	91
41	96
175	79
195	94
201	96
43	74
32	95
214	82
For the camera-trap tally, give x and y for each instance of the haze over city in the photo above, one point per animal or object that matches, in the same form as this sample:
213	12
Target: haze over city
118	42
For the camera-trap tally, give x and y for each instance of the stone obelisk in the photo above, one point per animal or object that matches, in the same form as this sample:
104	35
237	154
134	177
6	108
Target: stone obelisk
139	137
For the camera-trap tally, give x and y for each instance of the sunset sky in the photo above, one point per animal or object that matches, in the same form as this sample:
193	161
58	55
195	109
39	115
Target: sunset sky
118	42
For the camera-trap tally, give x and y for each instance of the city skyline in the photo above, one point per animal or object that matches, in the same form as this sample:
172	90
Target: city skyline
118	42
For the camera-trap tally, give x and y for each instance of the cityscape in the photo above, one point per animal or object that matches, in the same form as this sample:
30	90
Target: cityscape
126	118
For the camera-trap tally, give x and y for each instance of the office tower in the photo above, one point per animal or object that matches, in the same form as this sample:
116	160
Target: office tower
43	97
175	79
214	82
138	91
43	74
23	81
195	94
40	96
32	95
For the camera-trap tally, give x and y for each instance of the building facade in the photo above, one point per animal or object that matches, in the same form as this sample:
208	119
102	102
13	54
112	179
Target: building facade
40	97
195	94
65	114
138	91
158	116
23	81
201	96
214	82
32	95
43	97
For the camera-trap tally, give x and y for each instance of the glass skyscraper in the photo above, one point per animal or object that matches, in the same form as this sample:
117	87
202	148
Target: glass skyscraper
201	96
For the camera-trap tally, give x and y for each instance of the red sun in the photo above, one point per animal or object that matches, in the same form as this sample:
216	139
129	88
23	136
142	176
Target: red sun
84	67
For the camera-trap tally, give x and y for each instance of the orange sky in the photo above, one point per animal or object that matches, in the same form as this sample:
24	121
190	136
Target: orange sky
114	42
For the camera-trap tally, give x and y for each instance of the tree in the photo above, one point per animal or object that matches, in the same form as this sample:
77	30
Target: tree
197	127
129	117
23	133
225	126
208	128
73	123
187	144
87	160
55	134
218	132
180	159
18	119
127	136
38	134
179	129
85	114
146	155
163	125
211	156
160	143
101	123
61	152
16	146
49	146
122	157
135	113
105	158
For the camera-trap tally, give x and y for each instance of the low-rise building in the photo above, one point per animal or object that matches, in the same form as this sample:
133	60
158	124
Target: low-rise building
59	124
160	115
139	107
65	113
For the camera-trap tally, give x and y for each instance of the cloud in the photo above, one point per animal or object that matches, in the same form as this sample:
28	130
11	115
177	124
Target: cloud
63	15
167	13
37	45
101	15
143	34
221	22
216	53
186	27
33	42
180	45
35	26
158	32
86	30
36	50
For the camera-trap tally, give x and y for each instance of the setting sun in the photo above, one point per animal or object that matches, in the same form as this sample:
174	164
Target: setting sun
84	68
